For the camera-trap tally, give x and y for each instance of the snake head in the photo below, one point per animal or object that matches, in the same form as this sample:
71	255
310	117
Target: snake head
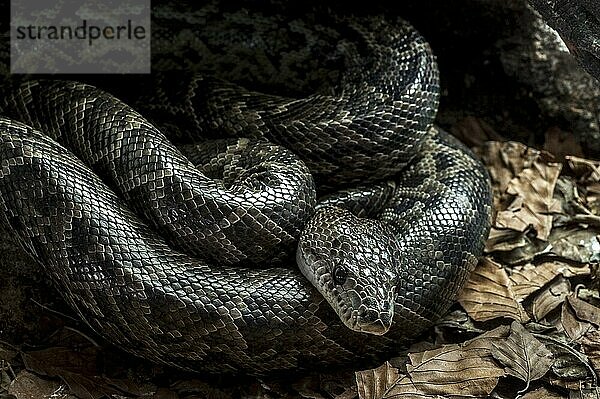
353	263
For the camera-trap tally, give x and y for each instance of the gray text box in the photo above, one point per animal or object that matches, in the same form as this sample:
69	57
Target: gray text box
85	36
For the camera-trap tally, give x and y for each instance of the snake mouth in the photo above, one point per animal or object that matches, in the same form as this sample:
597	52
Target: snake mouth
368	321
374	322
362	316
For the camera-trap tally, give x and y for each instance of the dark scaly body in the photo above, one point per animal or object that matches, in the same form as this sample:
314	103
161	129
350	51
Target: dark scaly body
131	286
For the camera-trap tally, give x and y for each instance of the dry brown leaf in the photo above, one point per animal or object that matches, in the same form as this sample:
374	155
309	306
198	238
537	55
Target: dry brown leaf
516	251
584	311
536	184
523	355
519	216
488	294
523	181
550	298
534	203
373	384
461	370
572	326
450	370
566	384
504	160
568	363
578	320
531	278
505	240
467	369
593	190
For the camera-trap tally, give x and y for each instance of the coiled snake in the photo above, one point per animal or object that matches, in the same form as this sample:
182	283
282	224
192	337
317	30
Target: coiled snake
188	260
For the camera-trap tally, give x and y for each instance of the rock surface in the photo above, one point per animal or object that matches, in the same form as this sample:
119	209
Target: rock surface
578	22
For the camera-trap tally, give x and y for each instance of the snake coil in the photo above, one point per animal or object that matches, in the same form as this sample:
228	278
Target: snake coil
145	242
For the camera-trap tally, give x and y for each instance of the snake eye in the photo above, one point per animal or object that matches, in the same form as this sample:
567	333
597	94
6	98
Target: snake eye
339	274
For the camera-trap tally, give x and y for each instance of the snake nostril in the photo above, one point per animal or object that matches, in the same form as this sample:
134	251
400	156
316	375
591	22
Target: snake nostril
369	315
385	306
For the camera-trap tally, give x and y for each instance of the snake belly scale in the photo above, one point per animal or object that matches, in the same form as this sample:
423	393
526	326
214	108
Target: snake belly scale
184	255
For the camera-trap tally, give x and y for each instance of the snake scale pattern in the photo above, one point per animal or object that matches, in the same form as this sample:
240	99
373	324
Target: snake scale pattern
188	254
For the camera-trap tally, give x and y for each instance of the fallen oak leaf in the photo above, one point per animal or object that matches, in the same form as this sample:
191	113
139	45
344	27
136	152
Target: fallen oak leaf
505	240
466	369
587	194
585	393
536	185
530	278
488	294
463	370
523	355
